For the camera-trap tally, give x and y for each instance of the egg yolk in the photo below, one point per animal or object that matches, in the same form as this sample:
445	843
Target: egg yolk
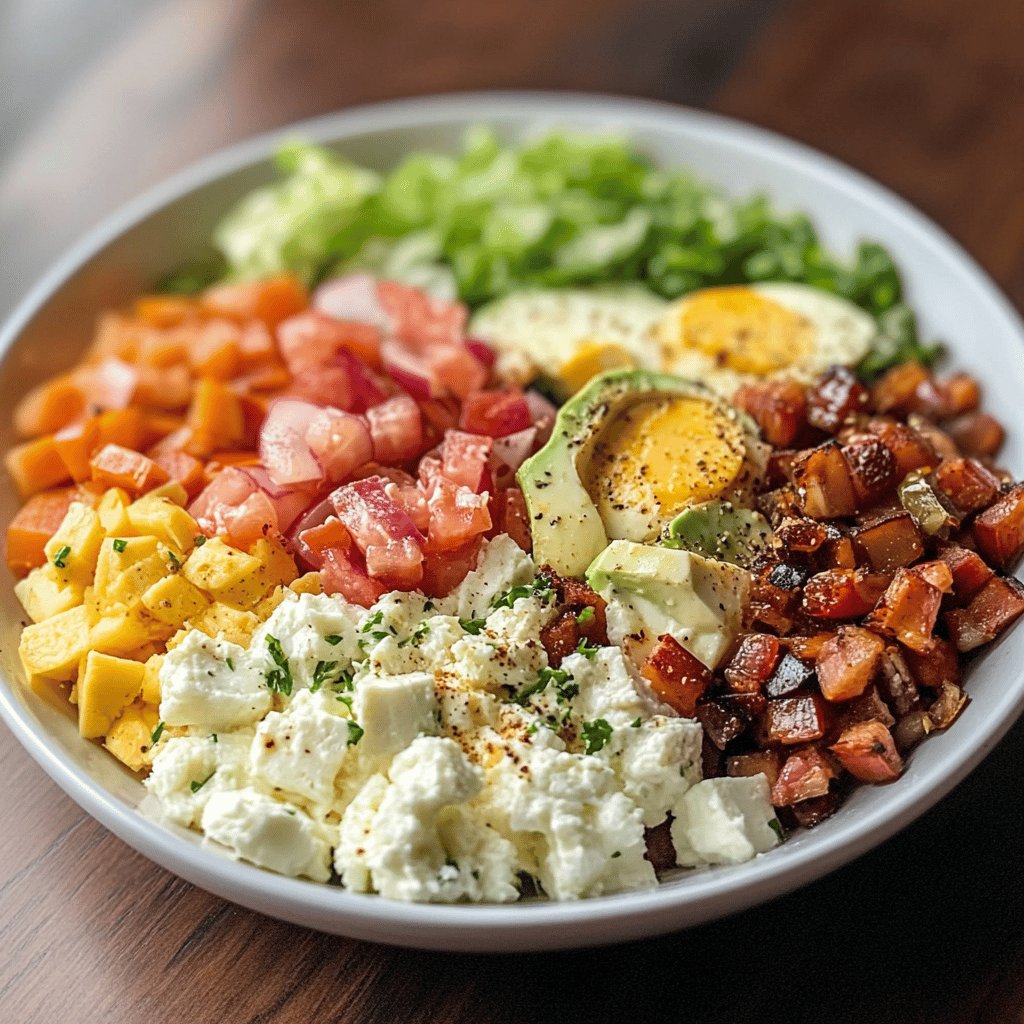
677	450
738	329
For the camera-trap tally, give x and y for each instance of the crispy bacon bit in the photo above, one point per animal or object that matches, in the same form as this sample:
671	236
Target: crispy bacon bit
868	753
676	676
800	719
967	484
807	648
790	675
760	762
660	851
969	570
728	716
872	468
941	443
822	476
897	390
753	662
999	530
910	450
847	663
809	813
843	593
995	607
977	434
962	392
779	407
908	609
889	542
835	399
772	605
806	774
803	535
940	665
560	638
868	707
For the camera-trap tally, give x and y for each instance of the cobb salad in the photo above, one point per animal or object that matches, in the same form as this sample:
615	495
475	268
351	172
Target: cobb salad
527	522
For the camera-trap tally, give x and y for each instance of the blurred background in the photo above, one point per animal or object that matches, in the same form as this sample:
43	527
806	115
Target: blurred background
100	99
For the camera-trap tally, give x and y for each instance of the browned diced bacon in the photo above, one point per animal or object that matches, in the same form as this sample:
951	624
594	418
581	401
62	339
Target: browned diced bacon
995	607
868	707
940	442
760	762
753	662
802	535
835	399
908	609
889	542
790	675
848	662
838	553
867	751
967	484
896	391
805	774
969	570
809	813
807	648
941	664
800	719
977	434
999	530
560	638
825	488
872	469
843	593
772	605
909	449
778	407
676	676
722	720
660	851
962	393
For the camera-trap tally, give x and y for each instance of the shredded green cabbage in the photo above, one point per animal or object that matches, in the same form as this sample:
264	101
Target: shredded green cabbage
565	210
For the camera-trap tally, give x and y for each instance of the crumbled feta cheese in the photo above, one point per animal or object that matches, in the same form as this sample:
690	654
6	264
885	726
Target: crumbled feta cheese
393	711
607	688
723	821
211	684
300	750
503	565
268	833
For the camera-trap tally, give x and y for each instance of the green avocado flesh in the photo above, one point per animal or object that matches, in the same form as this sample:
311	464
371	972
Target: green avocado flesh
567	529
721	530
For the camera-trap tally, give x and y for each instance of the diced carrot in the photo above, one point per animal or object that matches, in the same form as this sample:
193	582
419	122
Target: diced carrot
35	523
215	350
115	466
75	445
271	300
165	310
847	663
676	676
164	387
117	336
188	471
215	418
272	376
256	345
36	466
867	751
125	427
51	405
162	348
157	425
231	457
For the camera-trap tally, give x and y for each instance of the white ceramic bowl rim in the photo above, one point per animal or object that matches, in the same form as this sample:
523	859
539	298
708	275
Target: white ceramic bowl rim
530	925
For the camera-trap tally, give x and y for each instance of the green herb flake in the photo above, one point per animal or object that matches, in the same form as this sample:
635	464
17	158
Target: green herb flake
199	540
541	588
416	636
355	732
157	733
587	615
230	662
596	734
322	674
374	620
119	545
473	626
776	826
60	557
333	639
635	724
174	560
279	679
586	648
196	786
213	737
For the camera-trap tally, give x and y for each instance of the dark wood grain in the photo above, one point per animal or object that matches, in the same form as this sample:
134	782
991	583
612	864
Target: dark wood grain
924	94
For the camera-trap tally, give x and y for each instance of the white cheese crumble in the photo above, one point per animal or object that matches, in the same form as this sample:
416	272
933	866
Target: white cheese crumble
426	750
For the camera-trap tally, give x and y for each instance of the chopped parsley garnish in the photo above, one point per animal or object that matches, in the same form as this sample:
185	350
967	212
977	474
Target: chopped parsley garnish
60	558
586	615
196	786
333	639
230	662
157	733
586	648
635	724
199	540
175	562
324	674
119	545
279	679
374	620
617	853
776	826
473	626
596	734
355	732
416	636
213	737
541	588
565	688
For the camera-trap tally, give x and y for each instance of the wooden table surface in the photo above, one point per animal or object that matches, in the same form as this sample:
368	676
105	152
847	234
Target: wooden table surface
99	100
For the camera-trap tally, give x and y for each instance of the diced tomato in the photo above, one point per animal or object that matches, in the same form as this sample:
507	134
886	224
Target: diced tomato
867	751
443	571
341	573
183	468
271	300
311	542
999	530
34	524
410	371
495	413
847	663
108	384
464	459
352	297
805	774
910	606
753	662
233	506
456	366
998	604
510	516
823	478
677	678
482	352
311	340
797	719
843	593
345	383
340	442
420	320
215	350
457	515
114	466
284	449
396	429
383	532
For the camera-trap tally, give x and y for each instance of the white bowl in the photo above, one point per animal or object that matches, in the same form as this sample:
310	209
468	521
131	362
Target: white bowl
955	301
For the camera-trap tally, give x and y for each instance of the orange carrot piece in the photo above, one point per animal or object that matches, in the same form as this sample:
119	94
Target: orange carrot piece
114	466
183	468
35	523
75	445
165	310
215	417
125	427
116	335
271	300
51	405
36	465
216	350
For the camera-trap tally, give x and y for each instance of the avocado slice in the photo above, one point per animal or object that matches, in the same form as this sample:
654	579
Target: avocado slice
653	590
566	524
721	530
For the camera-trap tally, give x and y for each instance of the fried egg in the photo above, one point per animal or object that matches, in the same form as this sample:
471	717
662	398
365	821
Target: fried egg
726	336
